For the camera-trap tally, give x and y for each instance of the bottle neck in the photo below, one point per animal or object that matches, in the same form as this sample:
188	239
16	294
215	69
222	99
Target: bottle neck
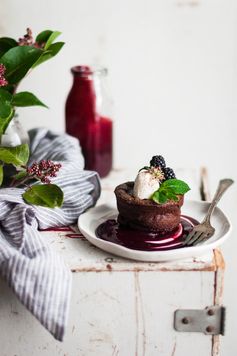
82	70
85	73
87	89
83	80
83	83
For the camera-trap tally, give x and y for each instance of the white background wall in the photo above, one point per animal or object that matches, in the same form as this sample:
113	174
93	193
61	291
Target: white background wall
173	77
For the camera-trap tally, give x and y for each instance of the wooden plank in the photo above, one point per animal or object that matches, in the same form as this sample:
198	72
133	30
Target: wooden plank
218	295
122	313
81	256
219	262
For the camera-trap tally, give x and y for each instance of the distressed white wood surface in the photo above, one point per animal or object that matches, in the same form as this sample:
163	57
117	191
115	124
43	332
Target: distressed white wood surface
115	313
81	256
119	307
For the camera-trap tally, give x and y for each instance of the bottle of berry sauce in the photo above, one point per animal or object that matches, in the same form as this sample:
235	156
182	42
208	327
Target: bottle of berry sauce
88	119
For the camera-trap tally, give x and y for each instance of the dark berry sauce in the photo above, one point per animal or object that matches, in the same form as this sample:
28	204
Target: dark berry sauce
112	231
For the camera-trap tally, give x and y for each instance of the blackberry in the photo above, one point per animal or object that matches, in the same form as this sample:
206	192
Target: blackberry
157	161
169	173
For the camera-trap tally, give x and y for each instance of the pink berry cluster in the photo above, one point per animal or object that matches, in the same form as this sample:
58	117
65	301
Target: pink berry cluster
3	81
43	170
27	39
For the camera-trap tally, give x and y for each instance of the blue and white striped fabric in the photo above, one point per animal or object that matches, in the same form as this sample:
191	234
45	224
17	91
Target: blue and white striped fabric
37	275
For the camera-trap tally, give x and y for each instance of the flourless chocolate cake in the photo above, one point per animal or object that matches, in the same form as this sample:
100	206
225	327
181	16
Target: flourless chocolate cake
153	201
145	214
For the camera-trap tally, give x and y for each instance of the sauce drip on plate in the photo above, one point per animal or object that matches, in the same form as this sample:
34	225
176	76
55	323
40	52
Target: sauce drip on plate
112	231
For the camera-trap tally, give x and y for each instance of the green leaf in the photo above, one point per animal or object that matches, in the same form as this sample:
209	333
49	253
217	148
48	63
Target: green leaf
6	110
6	43
25	98
177	186
5	121
162	196
51	38
17	156
43	36
170	195
50	53
159	197
48	195
156	197
5	103
18	61
1	174
10	88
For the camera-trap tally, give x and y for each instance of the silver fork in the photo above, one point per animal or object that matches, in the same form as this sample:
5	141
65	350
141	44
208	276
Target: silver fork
204	230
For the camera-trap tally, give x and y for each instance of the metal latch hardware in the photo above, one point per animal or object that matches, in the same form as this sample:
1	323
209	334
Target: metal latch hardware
210	321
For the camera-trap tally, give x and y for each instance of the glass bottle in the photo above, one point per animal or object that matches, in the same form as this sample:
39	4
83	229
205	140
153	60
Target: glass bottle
88	118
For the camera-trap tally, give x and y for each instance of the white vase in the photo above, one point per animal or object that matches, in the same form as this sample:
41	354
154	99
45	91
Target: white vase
15	135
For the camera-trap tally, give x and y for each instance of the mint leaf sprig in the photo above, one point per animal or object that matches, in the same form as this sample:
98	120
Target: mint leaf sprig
169	191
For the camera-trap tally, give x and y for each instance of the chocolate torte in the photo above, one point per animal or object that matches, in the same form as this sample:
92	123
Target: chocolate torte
153	202
145	214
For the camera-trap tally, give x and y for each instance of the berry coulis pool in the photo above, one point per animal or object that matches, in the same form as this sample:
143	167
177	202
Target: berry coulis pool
112	231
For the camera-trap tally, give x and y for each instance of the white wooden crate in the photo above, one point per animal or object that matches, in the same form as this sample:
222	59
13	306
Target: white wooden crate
119	307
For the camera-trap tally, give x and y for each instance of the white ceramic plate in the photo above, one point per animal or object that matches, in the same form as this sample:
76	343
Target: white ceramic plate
89	221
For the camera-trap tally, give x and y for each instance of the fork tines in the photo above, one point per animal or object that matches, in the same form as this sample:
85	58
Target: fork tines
196	236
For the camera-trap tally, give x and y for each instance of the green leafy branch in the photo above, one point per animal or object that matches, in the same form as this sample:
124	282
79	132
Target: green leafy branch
47	195
17	59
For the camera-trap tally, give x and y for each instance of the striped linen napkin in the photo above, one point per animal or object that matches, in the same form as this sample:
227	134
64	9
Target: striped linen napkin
38	275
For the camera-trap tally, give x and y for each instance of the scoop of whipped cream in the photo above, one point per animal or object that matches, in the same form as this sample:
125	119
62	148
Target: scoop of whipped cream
145	185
